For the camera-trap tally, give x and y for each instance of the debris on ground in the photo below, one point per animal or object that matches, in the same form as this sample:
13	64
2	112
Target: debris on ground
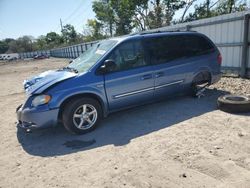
232	85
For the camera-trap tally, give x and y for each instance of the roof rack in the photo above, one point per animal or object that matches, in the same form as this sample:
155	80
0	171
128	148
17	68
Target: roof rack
158	31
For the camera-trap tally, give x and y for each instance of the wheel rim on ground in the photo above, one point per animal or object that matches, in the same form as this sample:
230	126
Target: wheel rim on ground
85	116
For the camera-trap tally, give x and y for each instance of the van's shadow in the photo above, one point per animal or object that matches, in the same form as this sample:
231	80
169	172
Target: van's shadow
119	128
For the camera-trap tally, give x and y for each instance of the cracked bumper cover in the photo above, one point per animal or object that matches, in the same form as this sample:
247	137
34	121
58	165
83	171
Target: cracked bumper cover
29	118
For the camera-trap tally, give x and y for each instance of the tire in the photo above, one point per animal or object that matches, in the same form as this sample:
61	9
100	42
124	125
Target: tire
76	121
234	103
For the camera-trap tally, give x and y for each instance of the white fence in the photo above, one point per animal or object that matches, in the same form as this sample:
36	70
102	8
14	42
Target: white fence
231	33
71	51
32	54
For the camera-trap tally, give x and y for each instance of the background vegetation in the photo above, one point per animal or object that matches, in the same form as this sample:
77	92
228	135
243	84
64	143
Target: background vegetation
120	17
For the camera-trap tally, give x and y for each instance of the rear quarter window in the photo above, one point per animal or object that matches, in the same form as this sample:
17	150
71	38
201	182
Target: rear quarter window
197	45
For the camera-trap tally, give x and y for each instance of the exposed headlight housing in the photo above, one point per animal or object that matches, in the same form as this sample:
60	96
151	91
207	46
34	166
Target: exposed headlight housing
40	100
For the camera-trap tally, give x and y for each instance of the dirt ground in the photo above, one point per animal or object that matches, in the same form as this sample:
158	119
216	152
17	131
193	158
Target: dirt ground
183	142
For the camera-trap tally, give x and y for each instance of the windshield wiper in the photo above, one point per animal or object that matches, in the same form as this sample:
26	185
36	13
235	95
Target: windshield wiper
70	69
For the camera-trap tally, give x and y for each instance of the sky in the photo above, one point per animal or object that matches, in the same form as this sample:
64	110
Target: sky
38	17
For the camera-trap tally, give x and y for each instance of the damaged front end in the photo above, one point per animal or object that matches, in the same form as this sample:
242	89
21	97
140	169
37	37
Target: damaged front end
36	113
39	83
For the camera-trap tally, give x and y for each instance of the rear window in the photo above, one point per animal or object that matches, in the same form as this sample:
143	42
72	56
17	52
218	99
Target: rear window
169	48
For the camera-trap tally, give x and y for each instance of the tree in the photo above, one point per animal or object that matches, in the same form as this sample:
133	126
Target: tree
69	34
163	11
207	10
14	47
199	13
94	30
156	15
3	47
229	6
41	43
188	4
8	40
26	42
52	39
120	16
140	18
124	11
105	15
171	6
22	44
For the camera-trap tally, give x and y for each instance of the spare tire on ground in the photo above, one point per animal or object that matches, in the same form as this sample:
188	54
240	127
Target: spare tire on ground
234	103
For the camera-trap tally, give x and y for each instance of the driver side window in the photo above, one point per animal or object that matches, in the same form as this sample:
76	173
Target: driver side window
128	55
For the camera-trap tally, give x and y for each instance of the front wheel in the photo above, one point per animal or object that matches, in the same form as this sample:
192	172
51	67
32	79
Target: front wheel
81	115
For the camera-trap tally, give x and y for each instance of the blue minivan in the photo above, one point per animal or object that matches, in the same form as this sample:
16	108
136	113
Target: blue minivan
119	73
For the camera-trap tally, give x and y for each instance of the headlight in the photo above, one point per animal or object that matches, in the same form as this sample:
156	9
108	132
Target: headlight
41	99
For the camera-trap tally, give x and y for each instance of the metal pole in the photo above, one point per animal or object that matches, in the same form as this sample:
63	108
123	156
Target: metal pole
61	24
188	27
245	46
81	49
78	52
74	51
71	52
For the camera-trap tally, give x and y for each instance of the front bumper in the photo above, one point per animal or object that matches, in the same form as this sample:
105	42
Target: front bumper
30	118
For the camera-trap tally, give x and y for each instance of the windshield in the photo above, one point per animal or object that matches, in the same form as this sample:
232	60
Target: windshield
88	58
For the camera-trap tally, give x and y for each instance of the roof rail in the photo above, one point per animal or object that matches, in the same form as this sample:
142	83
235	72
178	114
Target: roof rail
157	31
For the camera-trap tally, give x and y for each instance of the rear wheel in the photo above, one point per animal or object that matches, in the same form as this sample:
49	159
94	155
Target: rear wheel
81	115
200	82
198	89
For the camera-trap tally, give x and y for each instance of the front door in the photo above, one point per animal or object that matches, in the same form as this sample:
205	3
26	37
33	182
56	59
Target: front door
131	82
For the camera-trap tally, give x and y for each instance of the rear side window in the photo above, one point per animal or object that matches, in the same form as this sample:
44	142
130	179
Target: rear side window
164	49
169	48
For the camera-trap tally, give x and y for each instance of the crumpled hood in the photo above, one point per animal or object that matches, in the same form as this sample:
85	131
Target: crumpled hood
38	84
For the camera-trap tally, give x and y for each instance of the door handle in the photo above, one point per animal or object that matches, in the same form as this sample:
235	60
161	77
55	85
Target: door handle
159	74
146	76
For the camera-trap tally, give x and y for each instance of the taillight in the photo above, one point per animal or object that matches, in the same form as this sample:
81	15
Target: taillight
219	59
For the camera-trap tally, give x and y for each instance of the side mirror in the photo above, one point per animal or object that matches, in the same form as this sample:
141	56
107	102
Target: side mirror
108	66
70	61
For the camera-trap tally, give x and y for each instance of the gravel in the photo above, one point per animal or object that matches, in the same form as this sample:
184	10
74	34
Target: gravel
233	85
182	142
